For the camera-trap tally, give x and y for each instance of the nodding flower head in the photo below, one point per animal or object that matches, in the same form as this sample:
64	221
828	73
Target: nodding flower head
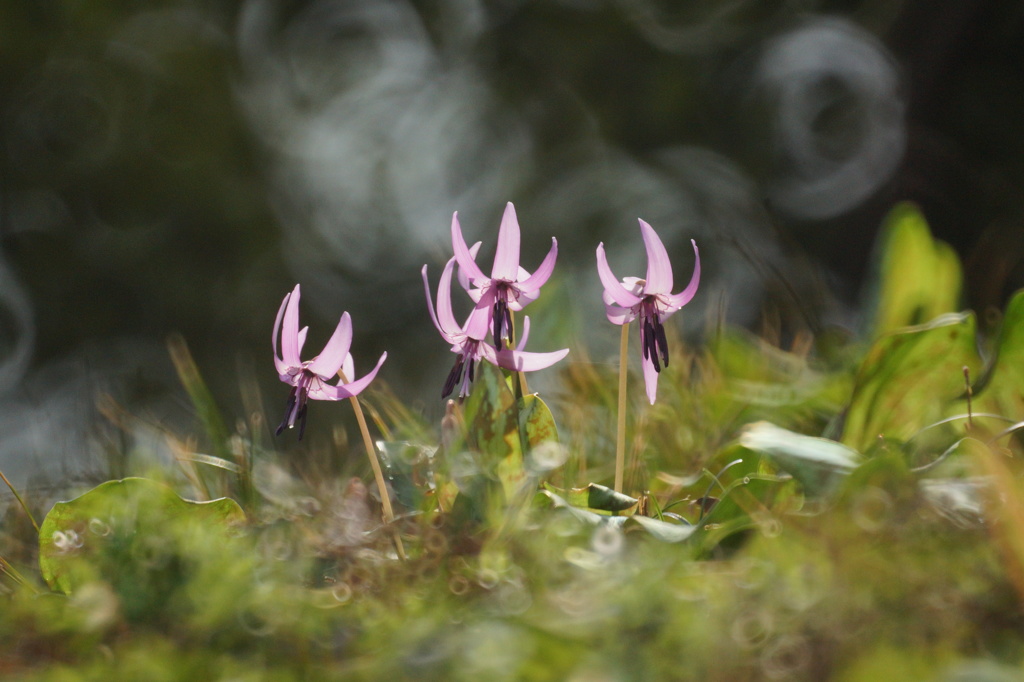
468	339
310	379
649	299
510	287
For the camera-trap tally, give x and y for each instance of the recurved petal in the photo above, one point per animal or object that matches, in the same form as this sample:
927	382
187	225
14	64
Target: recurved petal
329	361
534	282
506	256
618	293
463	254
327	392
521	361
279	364
525	333
445	314
659	268
348	368
302	339
443	320
290	330
684	296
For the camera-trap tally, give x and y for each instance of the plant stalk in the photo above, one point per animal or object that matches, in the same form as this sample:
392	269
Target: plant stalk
378	475
620	436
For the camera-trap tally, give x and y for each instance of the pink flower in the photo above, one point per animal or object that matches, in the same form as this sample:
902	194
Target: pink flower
468	340
509	287
309	380
649	299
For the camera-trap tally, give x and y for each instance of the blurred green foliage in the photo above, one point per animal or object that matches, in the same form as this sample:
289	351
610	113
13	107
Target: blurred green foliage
788	515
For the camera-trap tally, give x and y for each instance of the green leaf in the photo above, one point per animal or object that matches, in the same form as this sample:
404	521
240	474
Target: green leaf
1002	390
659	530
536	421
601	497
120	530
909	379
920	276
594	496
817	463
662	530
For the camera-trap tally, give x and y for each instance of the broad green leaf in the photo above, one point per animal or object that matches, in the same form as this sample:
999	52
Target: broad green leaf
115	530
1002	391
662	530
816	463
580	513
920	276
594	496
909	379
601	497
659	530
536	421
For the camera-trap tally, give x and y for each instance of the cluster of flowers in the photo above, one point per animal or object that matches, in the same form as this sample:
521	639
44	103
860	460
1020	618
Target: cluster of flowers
508	289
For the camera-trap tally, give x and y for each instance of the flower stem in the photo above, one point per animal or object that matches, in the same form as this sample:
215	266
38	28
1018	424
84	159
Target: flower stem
371	453
620	436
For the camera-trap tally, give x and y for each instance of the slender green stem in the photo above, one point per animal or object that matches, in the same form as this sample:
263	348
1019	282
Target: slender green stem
519	391
378	475
7	569
620	436
21	502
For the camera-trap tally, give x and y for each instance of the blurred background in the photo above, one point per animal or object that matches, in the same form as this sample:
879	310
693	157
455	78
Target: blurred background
177	166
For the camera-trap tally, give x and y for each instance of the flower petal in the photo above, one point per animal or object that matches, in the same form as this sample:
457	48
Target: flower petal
684	296
616	314
479	321
659	268
535	281
525	335
522	361
650	379
462	253
464	278
445	315
329	361
342	391
290	330
302	339
506	256
618	293
348	369
279	364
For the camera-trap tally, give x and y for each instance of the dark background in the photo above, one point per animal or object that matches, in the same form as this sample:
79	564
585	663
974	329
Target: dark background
177	166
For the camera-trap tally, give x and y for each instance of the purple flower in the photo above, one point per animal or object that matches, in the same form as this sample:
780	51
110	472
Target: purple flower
649	299
468	340
509	287
309	380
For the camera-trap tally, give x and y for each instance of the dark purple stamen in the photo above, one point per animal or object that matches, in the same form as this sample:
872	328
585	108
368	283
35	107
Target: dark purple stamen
454	377
289	406
502	316
295	407
302	419
652	335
